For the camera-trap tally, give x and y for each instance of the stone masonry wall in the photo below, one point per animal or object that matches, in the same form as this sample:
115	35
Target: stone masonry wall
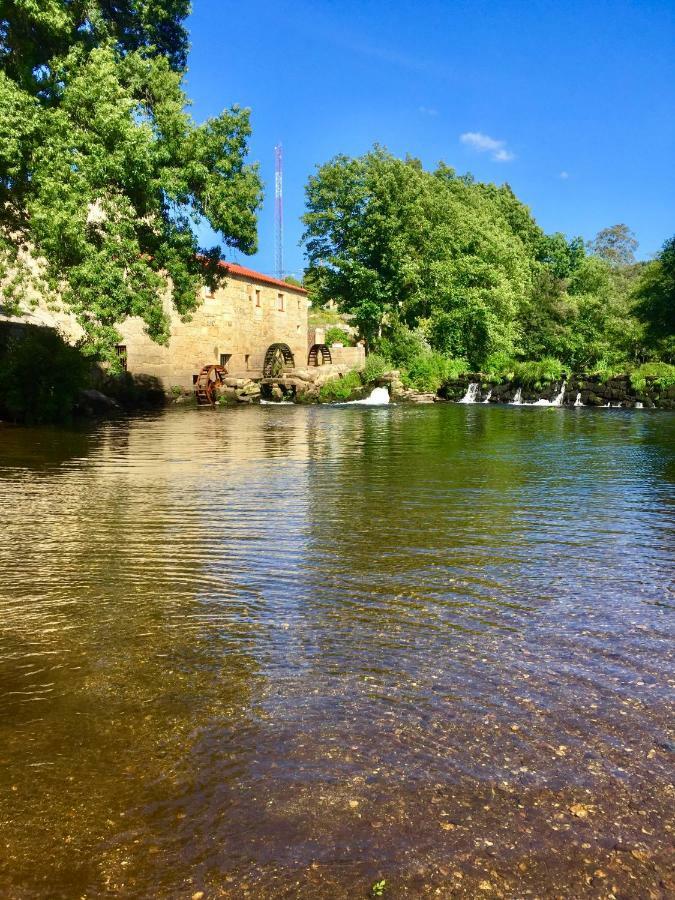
240	320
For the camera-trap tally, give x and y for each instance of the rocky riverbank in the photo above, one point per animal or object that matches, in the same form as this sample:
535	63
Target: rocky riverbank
305	386
578	390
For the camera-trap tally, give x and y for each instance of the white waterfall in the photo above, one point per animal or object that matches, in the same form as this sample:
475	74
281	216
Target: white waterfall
577	401
487	396
518	399
639	405
471	394
558	399
378	397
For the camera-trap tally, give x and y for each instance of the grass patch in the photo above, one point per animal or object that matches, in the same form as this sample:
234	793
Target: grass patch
528	373
319	317
661	374
375	367
427	372
340	389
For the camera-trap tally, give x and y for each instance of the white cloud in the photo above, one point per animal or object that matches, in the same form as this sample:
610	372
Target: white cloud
564	175
428	111
483	143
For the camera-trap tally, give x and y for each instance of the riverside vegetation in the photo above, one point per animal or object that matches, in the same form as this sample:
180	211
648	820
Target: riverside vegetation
103	176
444	275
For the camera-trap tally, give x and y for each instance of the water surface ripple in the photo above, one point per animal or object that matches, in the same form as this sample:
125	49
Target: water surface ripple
288	652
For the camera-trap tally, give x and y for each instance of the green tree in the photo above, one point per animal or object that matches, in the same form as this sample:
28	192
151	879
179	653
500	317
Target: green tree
616	245
103	174
396	245
655	303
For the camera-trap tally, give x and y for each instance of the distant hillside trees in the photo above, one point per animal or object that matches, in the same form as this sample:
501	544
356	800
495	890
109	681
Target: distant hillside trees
102	171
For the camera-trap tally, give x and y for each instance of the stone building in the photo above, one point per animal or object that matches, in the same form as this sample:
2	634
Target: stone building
232	327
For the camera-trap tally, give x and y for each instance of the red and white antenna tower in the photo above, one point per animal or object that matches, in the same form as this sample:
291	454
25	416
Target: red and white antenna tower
279	211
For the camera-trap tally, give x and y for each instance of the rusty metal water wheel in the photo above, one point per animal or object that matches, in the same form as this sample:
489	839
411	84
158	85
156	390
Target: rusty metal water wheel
207	381
277	358
316	351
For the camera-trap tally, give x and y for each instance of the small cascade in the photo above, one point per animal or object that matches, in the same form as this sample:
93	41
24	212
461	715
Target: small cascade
378	397
558	399
639	405
471	394
487	396
577	401
518	399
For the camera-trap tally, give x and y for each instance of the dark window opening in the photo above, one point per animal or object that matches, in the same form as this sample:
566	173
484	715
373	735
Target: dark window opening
224	359
247	360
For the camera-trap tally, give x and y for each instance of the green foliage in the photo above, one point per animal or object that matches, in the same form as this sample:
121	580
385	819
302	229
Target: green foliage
391	242
340	389
429	260
318	316
655	302
615	245
528	373
375	367
40	376
401	345
660	373
379	888
539	372
339	336
430	369
103	173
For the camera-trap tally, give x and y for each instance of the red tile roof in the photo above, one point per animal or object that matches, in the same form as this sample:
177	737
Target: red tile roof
252	275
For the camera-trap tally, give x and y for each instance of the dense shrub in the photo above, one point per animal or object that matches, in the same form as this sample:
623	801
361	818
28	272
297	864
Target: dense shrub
402	346
337	335
662	374
429	370
40	376
375	367
528	373
340	389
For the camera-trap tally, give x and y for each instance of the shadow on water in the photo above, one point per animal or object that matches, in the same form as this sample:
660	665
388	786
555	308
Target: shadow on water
249	648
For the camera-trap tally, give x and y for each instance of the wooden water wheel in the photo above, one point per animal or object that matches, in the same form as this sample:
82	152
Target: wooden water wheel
206	383
316	351
277	358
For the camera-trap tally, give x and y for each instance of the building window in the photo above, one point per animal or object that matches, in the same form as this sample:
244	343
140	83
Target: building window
208	292
257	297
247	359
280	302
299	305
224	359
121	351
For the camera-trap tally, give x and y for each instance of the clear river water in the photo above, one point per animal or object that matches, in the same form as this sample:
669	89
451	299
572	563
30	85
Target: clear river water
294	652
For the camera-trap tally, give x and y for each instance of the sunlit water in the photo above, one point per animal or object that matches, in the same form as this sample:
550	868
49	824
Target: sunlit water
290	652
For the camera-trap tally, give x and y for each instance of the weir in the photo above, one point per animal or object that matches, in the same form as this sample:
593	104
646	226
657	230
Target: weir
471	394
379	396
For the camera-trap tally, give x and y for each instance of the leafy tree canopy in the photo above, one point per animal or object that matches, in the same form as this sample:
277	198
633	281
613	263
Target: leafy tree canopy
616	245
103	173
435	262
655	302
395	244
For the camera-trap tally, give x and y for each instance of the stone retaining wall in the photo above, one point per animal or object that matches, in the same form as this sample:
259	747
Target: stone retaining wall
590	390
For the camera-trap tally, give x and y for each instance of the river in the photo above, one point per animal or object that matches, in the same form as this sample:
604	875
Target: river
294	652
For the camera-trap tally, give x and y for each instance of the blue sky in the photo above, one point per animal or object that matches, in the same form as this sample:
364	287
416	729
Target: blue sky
572	103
